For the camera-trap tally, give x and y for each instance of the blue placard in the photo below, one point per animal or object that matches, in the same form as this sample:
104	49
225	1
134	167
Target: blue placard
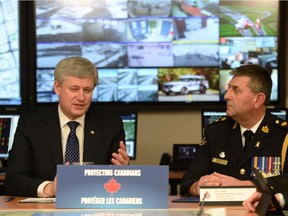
112	187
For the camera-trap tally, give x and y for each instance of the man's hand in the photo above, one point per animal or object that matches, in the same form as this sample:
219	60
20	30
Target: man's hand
50	189
216	179
251	203
207	180
225	180
120	158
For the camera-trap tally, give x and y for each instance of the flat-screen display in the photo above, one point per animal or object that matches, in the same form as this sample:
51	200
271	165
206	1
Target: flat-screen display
8	124
157	51
10	91
130	128
209	116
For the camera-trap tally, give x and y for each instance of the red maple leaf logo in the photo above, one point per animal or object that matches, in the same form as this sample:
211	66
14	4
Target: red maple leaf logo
112	186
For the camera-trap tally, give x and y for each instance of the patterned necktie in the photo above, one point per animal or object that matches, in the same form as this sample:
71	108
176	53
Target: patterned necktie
248	136
72	147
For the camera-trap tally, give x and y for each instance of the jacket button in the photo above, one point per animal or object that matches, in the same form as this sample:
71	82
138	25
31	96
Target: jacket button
242	171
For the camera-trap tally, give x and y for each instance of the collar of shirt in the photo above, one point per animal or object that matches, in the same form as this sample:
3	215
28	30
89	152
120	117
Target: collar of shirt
253	129
64	119
65	131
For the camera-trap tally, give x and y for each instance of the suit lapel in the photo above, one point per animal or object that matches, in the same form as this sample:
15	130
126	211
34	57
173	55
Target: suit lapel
236	141
91	136
53	134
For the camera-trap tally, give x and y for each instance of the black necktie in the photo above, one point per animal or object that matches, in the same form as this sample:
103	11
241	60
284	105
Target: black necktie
72	147
248	136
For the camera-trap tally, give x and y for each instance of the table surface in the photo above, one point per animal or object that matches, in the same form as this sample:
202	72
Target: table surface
176	174
13	208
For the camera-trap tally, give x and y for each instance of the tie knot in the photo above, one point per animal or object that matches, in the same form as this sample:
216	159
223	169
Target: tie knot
248	134
73	125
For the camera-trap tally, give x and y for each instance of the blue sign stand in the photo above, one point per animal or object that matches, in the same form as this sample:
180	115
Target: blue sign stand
112	187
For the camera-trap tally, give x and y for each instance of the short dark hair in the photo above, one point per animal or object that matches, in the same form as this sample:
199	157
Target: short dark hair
260	79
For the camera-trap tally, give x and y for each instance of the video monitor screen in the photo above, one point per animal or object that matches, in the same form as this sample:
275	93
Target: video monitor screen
130	128
8	124
209	116
161	51
10	93
184	151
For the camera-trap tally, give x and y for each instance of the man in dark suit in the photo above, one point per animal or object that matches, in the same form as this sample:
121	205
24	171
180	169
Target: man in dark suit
278	186
41	135
221	159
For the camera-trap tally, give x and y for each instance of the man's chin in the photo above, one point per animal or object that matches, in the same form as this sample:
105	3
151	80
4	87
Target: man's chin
79	111
228	111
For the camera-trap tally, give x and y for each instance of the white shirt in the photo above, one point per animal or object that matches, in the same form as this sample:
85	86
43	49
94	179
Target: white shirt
253	129
65	130
281	200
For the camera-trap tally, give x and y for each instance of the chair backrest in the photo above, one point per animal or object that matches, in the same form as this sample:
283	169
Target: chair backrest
165	159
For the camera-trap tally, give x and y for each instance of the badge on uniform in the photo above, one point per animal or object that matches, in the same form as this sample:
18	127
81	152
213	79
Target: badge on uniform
219	161
268	166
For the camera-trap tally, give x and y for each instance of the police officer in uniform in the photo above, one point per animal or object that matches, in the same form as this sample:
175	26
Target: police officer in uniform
222	159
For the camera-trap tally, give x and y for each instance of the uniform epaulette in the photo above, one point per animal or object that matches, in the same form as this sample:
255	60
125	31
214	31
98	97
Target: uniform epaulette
281	123
222	119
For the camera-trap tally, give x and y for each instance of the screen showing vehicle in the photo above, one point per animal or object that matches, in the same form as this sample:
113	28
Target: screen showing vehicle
157	51
9	54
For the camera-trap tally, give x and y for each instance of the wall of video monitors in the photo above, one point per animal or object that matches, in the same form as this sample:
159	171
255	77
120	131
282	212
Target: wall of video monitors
161	51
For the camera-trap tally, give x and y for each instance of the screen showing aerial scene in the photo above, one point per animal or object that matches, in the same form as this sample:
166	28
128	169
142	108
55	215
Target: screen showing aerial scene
156	51
9	54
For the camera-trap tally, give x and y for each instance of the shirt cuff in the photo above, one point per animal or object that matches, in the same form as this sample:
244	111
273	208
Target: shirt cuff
280	198
40	189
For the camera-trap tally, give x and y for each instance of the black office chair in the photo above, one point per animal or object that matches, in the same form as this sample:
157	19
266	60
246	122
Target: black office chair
165	159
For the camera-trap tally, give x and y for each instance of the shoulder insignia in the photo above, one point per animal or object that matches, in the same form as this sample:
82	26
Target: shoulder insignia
222	119
281	123
204	141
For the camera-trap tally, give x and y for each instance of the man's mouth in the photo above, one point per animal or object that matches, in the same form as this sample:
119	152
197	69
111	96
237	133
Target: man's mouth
79	105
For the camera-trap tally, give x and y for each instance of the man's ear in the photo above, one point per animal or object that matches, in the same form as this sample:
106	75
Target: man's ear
57	87
259	100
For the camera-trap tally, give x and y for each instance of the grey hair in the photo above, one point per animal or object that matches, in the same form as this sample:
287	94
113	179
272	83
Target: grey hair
77	67
260	79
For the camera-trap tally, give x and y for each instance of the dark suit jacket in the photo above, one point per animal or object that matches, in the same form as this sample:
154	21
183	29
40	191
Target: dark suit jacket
279	184
223	143
37	147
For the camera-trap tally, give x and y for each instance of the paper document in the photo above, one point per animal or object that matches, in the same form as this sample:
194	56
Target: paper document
226	193
38	200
